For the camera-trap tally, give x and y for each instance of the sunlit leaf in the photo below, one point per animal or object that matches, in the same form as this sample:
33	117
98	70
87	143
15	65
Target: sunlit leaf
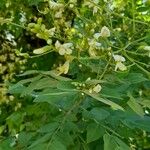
105	101
135	106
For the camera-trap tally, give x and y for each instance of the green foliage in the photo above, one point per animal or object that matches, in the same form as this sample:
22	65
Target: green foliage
90	86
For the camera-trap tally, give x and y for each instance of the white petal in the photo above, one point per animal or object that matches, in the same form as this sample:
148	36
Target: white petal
52	31
96	1
97	88
121	66
119	58
57	44
66	67
105	32
68	51
97	35
68	45
95	9
62	51
92	52
91	42
97	44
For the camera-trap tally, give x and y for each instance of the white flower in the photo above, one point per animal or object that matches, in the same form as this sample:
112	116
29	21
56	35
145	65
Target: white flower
58	14
105	32
97	88
57	44
23	17
67	45
52	31
94	44
9	36
64	68
88	79
95	9
64	48
92	52
53	5
92	5
119	65
118	58
97	44
49	41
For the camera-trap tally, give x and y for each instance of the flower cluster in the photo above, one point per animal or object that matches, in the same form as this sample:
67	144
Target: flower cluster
92	5
93	44
57	7
41	31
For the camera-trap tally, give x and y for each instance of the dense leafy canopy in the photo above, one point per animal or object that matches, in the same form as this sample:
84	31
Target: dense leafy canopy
77	74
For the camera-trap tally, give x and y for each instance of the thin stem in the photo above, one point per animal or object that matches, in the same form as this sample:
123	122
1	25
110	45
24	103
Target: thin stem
76	104
105	69
136	21
8	21
136	63
133	15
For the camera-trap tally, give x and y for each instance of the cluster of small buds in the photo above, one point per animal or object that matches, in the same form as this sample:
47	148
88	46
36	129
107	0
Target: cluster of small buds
83	86
79	85
10	64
